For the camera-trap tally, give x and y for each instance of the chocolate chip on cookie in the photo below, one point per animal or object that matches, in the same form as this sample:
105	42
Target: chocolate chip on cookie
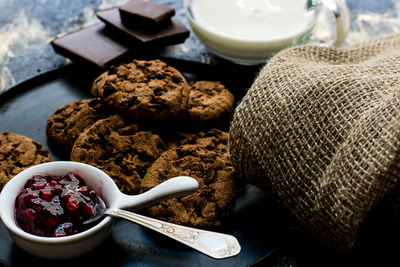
214	200
17	153
214	140
69	121
143	90
120	149
209	102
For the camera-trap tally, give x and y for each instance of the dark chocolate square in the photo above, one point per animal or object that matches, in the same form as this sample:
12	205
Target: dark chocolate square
147	14
174	33
91	45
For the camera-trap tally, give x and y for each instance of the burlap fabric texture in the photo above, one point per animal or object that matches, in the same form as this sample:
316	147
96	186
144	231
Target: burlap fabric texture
321	128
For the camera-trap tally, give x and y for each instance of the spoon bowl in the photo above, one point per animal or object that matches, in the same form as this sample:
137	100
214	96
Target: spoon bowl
99	181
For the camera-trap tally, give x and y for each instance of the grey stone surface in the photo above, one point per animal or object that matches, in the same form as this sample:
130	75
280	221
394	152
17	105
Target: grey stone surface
28	26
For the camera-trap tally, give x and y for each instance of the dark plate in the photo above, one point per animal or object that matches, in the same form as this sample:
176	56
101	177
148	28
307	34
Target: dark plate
25	108
267	234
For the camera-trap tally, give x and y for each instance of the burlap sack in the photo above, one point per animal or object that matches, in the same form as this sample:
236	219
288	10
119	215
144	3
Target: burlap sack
321	128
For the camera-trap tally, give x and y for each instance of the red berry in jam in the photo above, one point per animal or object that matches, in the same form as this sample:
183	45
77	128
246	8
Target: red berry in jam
86	209
46	195
51	221
30	215
72	205
57	190
38	186
55	206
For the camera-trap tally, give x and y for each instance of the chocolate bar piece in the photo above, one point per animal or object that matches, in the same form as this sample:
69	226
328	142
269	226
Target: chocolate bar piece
174	33
91	45
149	15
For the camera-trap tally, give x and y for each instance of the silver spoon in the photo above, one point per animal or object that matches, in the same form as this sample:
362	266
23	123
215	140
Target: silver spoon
213	244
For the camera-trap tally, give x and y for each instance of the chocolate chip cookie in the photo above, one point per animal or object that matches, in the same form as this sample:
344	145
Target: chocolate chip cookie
69	121
17	153
120	149
214	200
209	102
143	90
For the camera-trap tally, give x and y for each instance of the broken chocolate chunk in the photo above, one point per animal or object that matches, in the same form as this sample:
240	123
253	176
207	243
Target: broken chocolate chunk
91	45
149	15
173	33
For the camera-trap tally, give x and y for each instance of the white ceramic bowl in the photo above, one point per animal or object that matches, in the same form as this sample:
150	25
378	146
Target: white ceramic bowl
78	244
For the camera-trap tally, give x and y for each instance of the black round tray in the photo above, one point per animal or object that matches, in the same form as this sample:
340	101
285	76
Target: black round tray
268	234
25	108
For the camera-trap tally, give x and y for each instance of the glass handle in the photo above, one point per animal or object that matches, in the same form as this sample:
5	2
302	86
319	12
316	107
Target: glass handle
340	12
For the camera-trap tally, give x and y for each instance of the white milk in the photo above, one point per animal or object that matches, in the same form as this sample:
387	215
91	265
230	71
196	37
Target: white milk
249	29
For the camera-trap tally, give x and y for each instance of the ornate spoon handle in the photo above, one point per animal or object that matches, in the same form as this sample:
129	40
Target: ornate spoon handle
213	244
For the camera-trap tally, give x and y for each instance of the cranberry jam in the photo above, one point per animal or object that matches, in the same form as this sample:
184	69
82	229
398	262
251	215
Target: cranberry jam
55	206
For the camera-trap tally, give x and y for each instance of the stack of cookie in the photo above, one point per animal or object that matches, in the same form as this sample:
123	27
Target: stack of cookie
118	131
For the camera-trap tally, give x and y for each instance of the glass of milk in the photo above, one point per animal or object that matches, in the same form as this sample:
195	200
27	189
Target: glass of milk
249	32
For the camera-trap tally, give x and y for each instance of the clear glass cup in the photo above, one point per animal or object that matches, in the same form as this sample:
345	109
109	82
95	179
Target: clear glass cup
248	32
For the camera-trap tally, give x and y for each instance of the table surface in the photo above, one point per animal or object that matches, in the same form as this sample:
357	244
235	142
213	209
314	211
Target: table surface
28	26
